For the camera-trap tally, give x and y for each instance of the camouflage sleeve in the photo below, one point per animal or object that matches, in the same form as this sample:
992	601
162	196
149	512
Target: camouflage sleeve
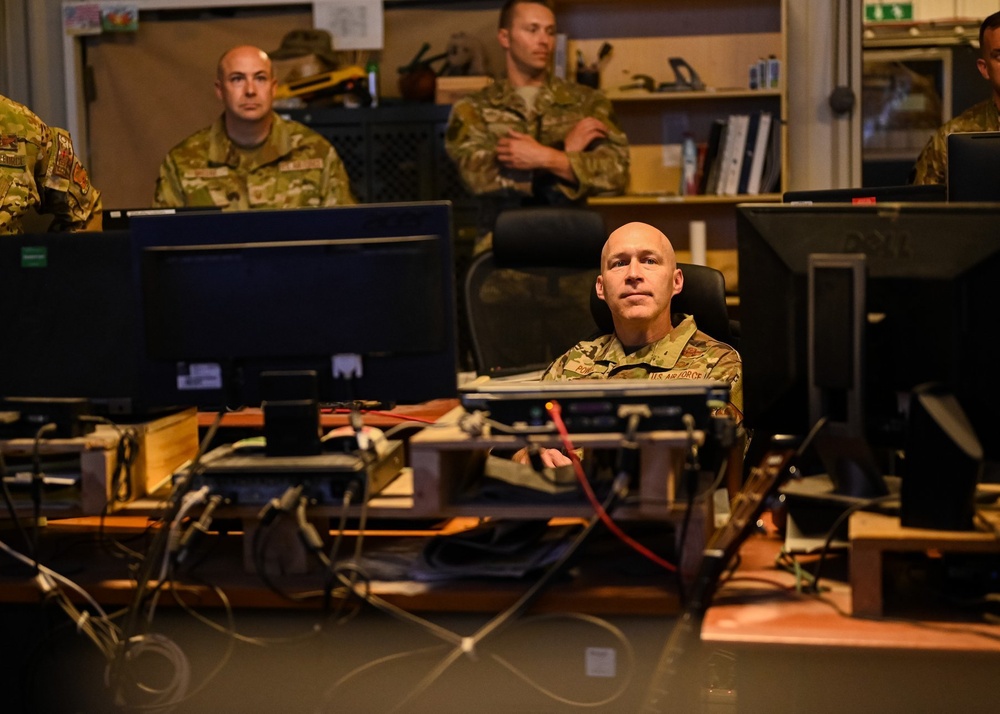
473	148
730	369
605	168
557	369
64	185
932	164
336	182
169	193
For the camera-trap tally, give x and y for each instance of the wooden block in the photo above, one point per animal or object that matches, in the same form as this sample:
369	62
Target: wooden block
448	90
163	445
873	535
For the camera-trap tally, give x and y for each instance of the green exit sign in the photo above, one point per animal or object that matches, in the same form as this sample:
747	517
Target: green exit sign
889	12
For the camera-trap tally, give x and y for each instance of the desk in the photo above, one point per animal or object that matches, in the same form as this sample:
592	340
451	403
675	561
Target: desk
797	654
253	418
297	670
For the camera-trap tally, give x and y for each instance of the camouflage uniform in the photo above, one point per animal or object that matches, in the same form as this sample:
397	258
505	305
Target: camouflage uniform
685	353
39	171
932	165
295	167
478	121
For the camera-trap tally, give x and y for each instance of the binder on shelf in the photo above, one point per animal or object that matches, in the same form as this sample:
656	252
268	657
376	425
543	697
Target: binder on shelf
748	150
710	169
760	148
771	177
732	155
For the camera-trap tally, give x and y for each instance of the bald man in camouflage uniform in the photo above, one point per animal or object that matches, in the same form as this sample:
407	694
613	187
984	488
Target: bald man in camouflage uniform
639	277
534	138
932	165
39	171
250	157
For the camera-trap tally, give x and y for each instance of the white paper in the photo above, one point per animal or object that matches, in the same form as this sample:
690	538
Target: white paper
353	24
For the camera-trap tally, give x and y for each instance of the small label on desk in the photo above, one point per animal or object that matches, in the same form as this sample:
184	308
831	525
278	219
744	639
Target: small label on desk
199	375
601	662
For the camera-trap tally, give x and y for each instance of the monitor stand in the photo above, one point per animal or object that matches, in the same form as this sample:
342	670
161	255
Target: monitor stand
852	477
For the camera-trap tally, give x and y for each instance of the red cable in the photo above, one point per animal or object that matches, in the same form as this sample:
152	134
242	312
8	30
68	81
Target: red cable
555	412
393	415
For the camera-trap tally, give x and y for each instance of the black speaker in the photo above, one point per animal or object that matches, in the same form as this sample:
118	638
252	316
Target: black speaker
943	463
290	401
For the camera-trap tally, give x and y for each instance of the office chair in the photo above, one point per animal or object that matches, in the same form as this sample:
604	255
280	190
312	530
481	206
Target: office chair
528	299
703	296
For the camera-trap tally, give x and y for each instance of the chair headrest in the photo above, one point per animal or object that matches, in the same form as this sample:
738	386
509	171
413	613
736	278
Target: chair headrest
704	296
549	236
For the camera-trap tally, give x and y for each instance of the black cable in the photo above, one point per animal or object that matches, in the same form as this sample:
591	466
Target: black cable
157	547
37	486
832	533
496	624
9	501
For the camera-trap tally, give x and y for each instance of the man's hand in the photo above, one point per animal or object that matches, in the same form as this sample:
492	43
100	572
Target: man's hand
552	458
522	152
586	130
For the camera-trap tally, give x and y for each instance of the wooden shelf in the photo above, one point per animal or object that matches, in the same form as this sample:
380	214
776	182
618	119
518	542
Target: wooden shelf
658	199
710	94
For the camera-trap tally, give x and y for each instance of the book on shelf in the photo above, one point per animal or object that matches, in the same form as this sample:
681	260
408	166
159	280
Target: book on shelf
710	164
771	172
757	153
732	154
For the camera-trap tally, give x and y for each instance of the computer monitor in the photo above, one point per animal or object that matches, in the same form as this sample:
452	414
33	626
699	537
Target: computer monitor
932	193
930	310
973	158
66	306
362	295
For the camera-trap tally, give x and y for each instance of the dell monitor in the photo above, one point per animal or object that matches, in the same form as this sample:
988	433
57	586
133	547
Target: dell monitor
361	295
929	311
973	158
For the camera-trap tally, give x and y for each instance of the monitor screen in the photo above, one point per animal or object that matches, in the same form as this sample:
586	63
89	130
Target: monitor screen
362	295
66	308
931	305
973	158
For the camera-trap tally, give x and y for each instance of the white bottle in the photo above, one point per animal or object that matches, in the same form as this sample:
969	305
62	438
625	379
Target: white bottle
689	167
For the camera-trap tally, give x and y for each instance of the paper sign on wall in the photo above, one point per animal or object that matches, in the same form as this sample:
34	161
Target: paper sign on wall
353	24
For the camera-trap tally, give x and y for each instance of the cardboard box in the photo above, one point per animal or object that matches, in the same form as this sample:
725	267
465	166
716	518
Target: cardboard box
448	90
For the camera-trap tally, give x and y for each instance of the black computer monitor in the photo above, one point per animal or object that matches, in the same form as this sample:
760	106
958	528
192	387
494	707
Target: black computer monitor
930	311
973	158
929	193
362	295
66	306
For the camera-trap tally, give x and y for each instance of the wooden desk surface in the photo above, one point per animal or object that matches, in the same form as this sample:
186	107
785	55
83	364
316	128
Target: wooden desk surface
597	586
760	608
427	411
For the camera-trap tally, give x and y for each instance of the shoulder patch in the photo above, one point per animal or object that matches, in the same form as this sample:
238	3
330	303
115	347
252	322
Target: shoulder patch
80	177
63	167
8	142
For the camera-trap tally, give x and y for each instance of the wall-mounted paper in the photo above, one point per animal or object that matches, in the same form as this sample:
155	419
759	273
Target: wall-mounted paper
354	24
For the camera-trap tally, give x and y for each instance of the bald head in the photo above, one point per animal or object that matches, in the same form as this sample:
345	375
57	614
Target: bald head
639	276
638	232
245	85
240	54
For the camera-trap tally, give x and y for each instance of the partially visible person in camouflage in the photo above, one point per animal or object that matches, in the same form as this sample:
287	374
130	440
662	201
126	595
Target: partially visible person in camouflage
250	157
40	171
932	164
639	277
533	138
